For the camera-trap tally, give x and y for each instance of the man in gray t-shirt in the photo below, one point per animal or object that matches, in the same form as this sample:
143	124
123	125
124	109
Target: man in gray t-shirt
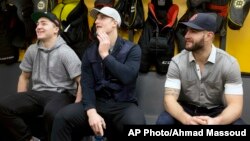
203	85
54	70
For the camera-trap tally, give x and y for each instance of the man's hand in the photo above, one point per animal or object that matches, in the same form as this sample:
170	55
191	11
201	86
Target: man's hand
209	120
202	120
195	120
96	122
104	43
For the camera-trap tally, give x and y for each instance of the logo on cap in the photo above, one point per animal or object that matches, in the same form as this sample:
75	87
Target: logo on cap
193	17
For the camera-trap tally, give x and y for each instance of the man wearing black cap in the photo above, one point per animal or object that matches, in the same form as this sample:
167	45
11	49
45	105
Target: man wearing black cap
54	70
110	67
203	85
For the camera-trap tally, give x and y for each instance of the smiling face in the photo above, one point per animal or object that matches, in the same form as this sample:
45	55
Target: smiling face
46	29
195	39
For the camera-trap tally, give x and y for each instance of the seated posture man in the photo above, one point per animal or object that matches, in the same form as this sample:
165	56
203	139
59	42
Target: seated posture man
110	68
203	84
55	71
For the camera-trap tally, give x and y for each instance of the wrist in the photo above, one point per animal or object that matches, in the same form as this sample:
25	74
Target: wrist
103	55
217	120
91	112
185	118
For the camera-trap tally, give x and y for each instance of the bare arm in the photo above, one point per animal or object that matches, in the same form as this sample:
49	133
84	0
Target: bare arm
23	82
172	106
79	89
231	113
175	109
233	110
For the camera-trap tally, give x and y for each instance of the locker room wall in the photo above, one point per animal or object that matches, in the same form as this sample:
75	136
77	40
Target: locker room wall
237	42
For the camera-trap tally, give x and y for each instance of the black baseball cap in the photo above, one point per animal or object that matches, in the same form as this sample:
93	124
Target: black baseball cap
202	21
52	17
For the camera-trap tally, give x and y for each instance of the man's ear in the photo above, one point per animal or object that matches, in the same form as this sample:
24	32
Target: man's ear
116	23
211	34
57	29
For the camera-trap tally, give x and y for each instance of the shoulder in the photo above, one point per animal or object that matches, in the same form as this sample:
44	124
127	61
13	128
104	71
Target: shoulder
61	45
65	49
92	47
130	45
65	52
91	50
180	57
224	56
127	42
32	49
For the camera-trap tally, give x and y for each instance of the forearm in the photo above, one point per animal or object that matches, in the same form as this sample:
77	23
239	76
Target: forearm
78	95
173	107
233	110
23	84
79	90
229	115
22	88
176	110
126	72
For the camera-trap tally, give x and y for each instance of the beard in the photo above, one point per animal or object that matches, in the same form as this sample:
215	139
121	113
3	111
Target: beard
196	45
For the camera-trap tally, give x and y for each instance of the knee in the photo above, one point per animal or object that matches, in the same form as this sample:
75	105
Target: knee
4	108
239	121
165	119
138	119
61	116
135	117
3	104
51	113
60	121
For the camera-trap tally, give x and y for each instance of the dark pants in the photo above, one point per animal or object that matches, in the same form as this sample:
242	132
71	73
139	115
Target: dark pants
166	119
15	108
72	120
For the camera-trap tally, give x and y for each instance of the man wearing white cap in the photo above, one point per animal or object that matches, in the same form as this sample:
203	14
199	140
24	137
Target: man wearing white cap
110	67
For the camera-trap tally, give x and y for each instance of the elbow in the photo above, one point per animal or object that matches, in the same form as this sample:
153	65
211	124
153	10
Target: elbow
240	112
240	109
167	102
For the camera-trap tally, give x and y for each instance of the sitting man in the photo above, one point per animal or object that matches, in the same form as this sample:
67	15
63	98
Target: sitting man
110	68
54	70
203	84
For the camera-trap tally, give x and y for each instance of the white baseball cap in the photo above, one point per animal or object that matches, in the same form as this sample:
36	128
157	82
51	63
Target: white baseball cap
108	11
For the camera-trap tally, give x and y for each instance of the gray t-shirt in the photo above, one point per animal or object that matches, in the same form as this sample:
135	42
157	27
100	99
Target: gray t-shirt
52	69
221	76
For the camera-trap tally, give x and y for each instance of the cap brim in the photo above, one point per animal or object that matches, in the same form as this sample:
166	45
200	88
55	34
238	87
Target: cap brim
93	13
193	26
